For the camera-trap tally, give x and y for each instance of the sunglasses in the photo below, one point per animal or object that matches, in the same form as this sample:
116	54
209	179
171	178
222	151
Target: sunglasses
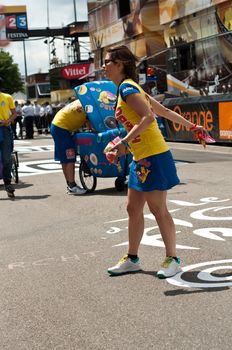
107	61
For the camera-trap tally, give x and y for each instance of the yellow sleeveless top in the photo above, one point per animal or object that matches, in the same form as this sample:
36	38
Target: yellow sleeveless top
150	141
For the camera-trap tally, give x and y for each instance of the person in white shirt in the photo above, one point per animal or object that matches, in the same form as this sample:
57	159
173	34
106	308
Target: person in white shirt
18	120
48	116
37	118
28	113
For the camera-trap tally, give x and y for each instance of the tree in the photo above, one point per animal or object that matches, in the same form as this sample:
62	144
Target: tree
9	72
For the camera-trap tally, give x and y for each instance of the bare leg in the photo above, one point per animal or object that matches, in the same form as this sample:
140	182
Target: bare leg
156	201
69	171
136	201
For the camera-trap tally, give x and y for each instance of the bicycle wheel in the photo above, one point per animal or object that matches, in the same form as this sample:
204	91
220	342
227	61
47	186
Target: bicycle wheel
14	169
88	181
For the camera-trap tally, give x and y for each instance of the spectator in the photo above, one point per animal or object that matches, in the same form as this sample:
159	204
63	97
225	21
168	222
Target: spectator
42	117
48	116
18	120
37	118
28	113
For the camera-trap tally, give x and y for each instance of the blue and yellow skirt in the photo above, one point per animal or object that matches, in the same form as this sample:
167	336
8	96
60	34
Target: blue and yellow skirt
157	172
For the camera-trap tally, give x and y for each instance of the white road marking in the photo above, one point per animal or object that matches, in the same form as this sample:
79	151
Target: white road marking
40	167
32	149
204	279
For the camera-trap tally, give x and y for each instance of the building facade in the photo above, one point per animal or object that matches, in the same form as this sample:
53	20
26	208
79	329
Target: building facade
188	43
133	23
199	41
38	87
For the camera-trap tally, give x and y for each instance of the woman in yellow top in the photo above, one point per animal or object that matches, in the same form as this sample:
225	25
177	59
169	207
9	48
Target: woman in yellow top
67	121
153	170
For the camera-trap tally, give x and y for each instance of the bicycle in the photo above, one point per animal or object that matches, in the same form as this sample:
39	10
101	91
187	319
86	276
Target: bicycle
15	165
14	170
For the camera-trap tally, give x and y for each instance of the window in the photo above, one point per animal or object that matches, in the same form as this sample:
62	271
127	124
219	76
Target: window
187	56
43	89
181	58
124	8
172	60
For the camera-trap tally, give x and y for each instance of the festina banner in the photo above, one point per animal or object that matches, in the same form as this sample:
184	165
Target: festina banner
15	20
212	112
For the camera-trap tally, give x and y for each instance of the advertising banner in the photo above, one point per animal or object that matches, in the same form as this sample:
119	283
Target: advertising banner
215	2
107	28
75	71
108	36
191	29
200	52
103	16
171	10
225	120
212	113
15	18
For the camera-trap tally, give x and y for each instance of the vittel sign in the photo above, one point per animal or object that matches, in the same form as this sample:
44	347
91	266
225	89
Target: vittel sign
75	71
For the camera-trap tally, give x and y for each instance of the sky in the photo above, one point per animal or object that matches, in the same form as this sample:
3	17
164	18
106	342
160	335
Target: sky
61	13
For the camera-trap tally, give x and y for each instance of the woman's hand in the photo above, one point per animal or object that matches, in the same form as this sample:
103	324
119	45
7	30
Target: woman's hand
4	122
120	148
202	135
115	149
196	127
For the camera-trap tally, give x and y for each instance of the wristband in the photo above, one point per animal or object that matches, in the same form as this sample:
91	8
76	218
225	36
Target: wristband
125	143
193	127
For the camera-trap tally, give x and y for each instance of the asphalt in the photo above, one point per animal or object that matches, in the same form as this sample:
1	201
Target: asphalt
55	292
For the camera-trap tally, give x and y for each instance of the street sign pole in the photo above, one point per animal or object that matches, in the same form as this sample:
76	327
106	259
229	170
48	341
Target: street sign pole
25	65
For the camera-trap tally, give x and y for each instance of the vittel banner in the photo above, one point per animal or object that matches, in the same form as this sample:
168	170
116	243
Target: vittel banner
75	71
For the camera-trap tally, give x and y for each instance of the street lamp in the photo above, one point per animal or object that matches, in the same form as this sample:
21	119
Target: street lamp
25	66
75	10
48	24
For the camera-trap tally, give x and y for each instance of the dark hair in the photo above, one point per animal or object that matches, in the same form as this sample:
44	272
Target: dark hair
123	54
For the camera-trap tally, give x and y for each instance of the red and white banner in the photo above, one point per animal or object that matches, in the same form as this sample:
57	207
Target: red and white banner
75	71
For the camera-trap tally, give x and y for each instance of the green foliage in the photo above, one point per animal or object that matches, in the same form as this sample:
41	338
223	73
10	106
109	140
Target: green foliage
9	72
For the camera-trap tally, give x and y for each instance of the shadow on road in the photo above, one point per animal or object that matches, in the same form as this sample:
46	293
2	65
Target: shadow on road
151	273
17	197
174	293
107	192
19	186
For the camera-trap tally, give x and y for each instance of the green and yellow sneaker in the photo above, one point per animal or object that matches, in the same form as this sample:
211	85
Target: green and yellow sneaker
125	265
170	267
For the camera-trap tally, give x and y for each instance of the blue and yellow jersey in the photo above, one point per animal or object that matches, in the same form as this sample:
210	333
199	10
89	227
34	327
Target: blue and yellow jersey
69	117
6	104
150	141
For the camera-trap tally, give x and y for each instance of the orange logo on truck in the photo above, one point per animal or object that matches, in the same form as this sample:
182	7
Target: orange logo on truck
225	120
204	118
